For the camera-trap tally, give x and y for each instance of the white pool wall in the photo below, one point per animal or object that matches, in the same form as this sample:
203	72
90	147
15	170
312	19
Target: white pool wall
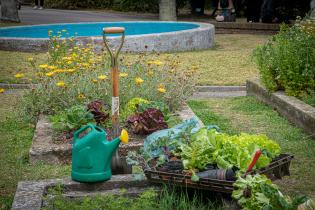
185	40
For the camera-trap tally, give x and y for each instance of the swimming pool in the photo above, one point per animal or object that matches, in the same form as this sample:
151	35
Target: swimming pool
140	36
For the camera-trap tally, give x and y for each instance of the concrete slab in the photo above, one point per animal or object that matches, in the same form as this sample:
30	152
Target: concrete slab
29	194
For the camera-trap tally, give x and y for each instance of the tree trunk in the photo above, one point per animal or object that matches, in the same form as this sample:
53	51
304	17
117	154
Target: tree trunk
167	10
9	11
312	12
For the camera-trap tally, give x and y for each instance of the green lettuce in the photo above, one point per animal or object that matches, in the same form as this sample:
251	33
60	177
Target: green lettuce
209	146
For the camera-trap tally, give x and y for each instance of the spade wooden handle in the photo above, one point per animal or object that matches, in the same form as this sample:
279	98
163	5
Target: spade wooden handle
114	30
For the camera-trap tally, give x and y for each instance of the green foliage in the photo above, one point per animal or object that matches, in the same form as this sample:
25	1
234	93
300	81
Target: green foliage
74	4
208	146
287	61
258	192
121	5
132	105
137	5
167	199
72	118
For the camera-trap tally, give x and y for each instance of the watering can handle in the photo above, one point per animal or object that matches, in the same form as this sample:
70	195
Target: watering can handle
77	133
114	30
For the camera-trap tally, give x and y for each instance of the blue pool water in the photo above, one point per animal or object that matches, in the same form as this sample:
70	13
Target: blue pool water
94	29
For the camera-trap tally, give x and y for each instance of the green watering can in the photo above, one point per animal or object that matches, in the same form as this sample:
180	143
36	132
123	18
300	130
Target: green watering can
92	154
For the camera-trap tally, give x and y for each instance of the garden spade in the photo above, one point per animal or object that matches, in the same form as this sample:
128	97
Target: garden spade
116	162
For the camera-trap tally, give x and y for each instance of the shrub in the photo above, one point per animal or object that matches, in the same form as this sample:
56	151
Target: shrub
137	5
76	75
287	61
74	4
122	5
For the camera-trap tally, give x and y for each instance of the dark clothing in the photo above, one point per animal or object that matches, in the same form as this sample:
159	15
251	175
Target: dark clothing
253	10
267	11
41	3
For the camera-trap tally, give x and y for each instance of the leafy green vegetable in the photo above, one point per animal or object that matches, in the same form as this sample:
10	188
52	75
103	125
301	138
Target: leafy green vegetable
258	192
209	146
72	118
198	153
132	105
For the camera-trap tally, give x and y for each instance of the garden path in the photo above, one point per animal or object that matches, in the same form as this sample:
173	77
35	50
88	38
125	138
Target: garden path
207	92
30	16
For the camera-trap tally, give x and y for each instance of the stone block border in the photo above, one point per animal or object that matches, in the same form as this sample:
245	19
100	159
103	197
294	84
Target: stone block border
44	150
29	194
295	110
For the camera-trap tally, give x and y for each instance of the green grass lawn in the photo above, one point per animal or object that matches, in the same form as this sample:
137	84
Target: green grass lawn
15	140
228	63
246	114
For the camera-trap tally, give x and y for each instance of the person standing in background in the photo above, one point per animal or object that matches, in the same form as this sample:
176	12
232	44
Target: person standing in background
253	10
39	4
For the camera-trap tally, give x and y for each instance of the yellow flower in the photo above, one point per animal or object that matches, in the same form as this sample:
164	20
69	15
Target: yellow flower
19	75
150	62
94	80
150	73
85	65
66	58
69	62
81	96
43	66
70	70
59	71
194	67
123	74
102	77
161	89
158	63
138	80
2	90
30	59
51	67
60	84
50	74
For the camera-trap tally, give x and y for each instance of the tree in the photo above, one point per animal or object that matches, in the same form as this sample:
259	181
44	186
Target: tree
313	8
167	10
9	11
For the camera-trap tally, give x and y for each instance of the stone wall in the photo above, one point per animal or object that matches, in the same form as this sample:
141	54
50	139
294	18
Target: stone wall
296	111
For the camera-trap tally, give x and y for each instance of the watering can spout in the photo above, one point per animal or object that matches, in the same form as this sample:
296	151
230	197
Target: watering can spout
114	144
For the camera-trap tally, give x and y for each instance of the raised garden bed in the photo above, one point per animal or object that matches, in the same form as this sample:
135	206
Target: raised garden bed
29	194
45	149
293	109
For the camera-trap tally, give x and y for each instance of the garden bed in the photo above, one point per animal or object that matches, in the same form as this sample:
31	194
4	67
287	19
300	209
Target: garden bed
45	149
30	194
295	110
